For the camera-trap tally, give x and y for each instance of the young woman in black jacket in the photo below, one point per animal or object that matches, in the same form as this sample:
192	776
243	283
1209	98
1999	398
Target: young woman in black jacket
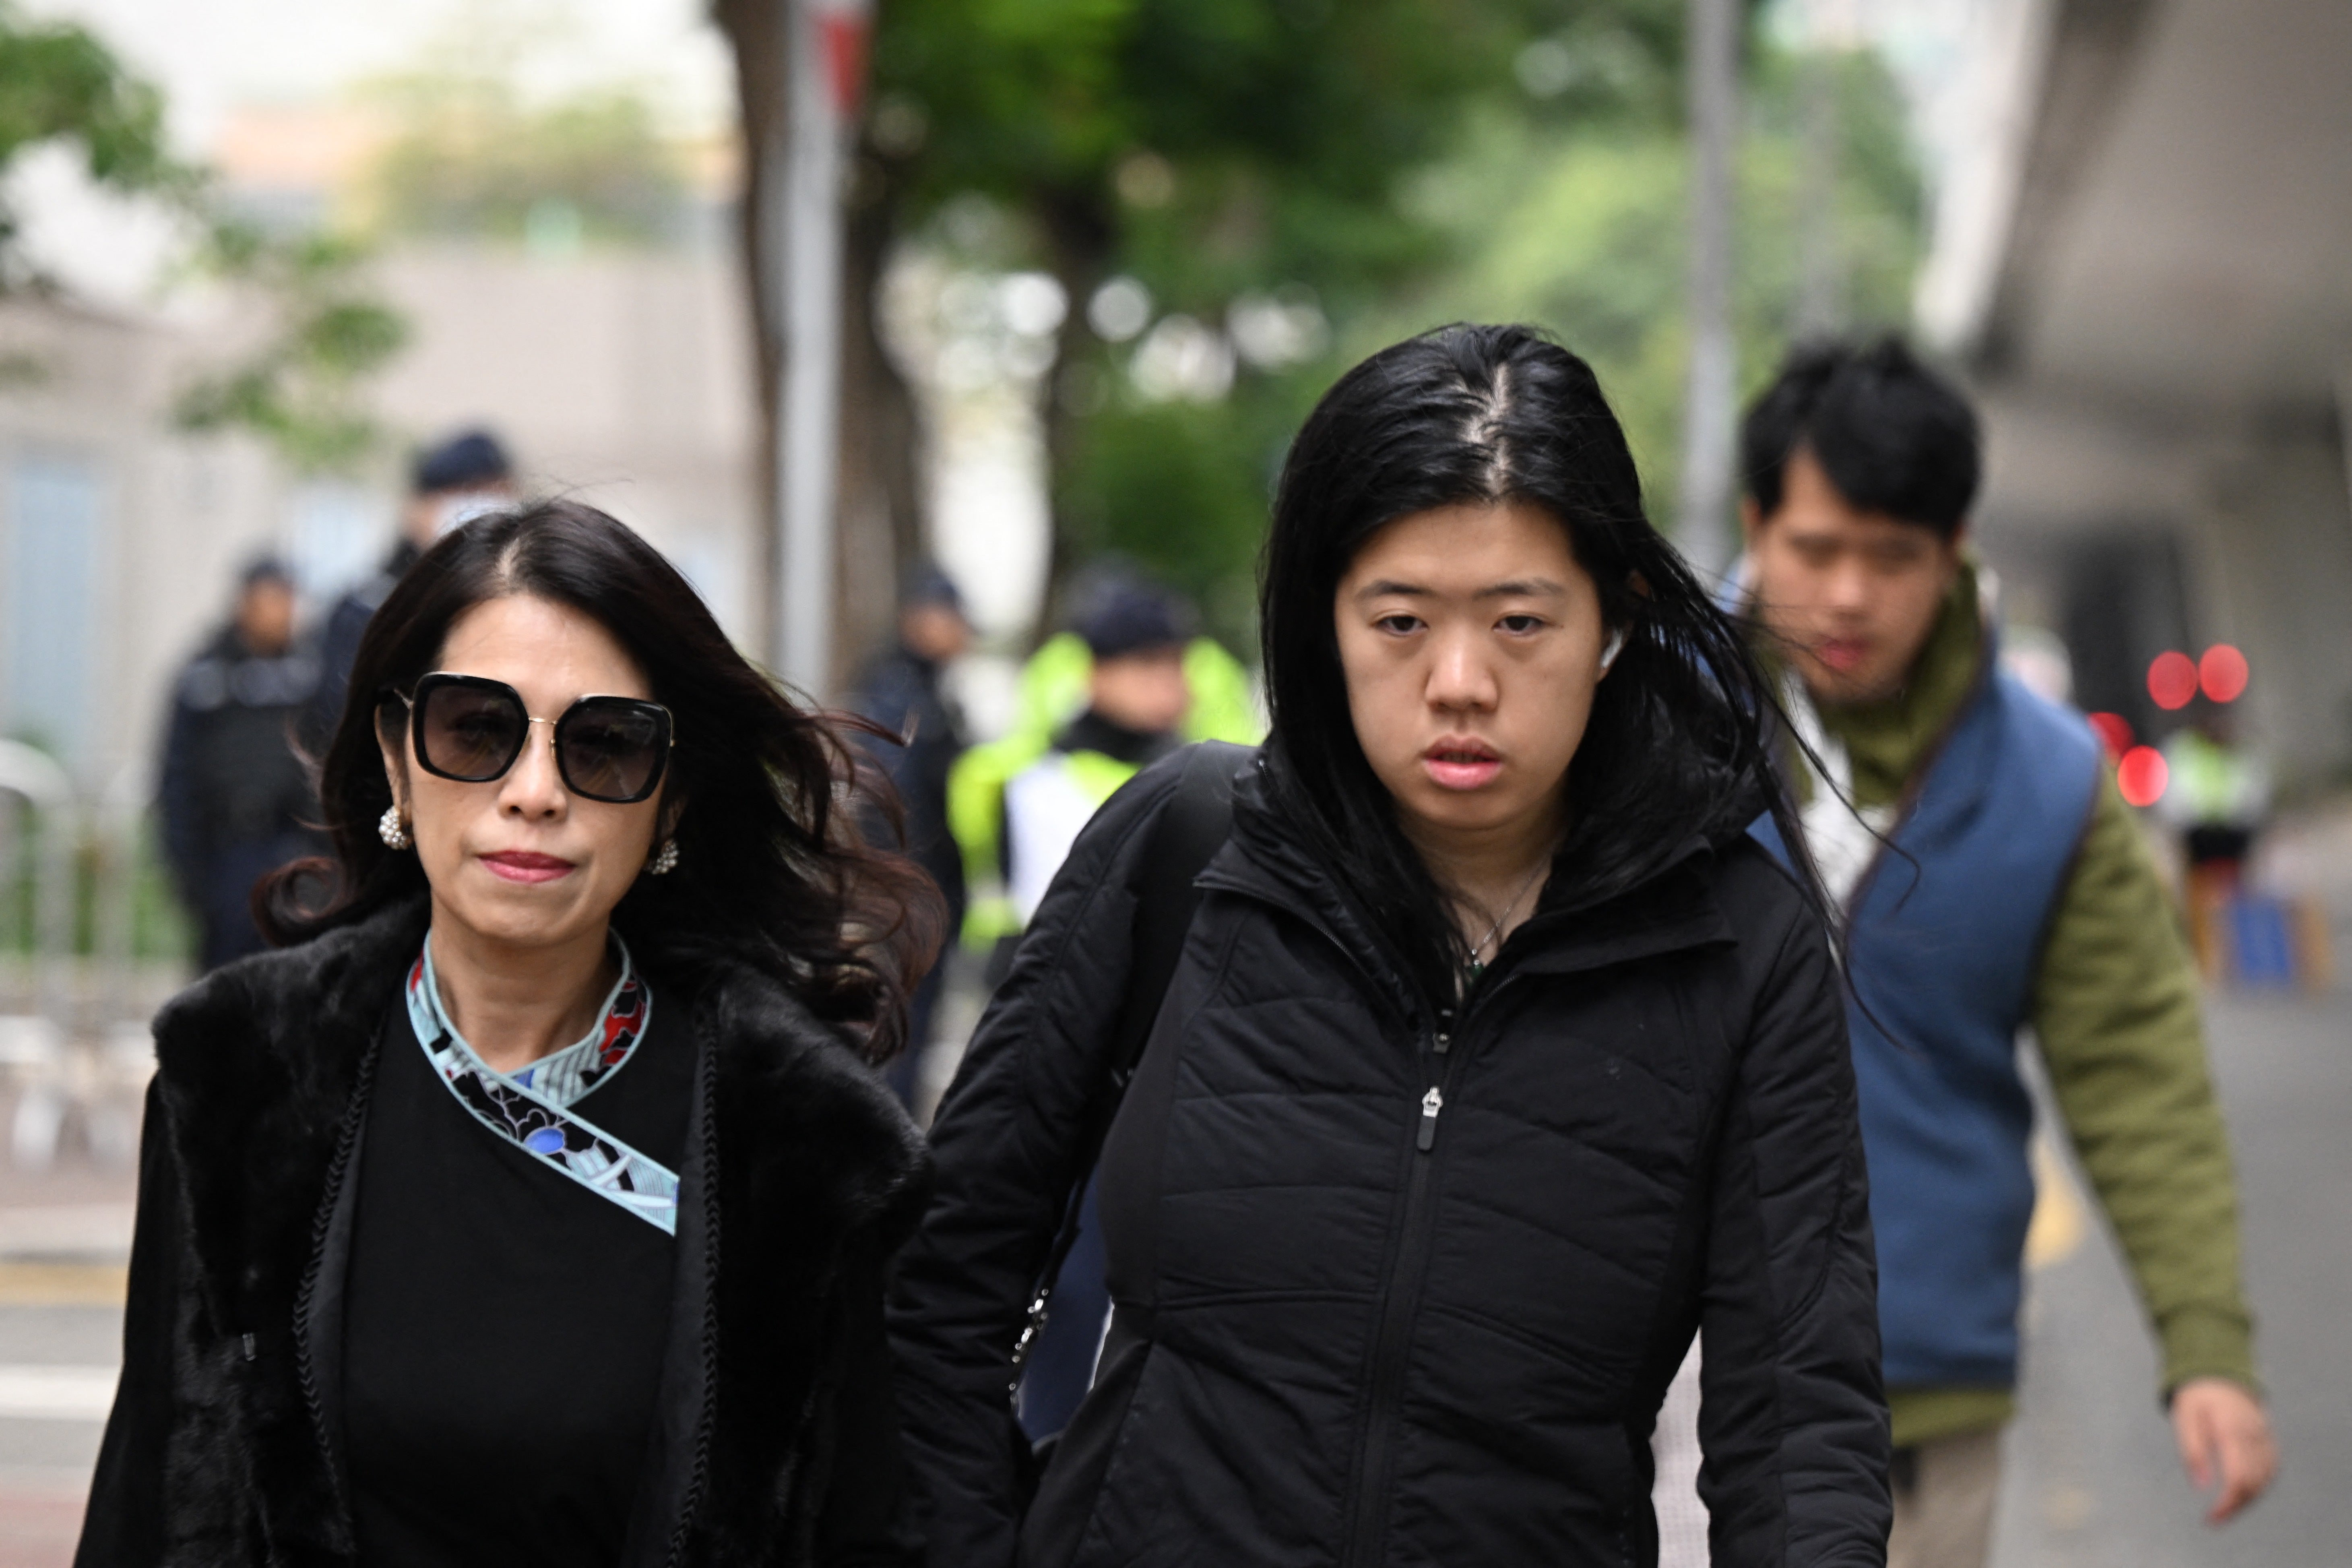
1498	1059
533	1209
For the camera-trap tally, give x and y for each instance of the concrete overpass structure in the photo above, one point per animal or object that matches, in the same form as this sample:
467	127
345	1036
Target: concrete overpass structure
2144	261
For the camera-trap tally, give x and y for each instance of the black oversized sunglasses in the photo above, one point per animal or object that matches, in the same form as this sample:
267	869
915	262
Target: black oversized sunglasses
471	729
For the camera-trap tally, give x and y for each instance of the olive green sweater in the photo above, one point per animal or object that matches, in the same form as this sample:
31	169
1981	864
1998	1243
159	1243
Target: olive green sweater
2115	1014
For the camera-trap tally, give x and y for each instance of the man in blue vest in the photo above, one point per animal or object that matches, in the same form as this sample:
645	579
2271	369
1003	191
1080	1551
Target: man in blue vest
2019	895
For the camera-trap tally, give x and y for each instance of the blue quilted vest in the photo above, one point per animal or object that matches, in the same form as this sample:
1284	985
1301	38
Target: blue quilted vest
1942	948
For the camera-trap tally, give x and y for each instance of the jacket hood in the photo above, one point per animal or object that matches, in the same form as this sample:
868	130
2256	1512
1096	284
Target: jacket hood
1661	901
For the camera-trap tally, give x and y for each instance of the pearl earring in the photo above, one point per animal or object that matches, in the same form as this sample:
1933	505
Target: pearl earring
665	860
391	829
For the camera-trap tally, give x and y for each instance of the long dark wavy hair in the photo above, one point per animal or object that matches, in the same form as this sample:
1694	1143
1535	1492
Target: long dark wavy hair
1678	741
771	870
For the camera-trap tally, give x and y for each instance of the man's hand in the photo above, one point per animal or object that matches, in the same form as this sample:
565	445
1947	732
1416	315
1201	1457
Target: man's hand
2223	1435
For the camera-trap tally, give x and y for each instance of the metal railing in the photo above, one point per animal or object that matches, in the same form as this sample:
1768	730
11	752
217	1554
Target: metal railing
74	1045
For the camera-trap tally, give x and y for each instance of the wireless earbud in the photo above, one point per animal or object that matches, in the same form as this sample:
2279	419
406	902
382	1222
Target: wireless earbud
1615	646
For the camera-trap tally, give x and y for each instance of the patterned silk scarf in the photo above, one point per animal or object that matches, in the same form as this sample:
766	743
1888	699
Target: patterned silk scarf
531	1109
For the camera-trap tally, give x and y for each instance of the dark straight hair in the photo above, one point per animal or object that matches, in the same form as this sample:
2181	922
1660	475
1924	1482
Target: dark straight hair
1890	435
771	871
1677	743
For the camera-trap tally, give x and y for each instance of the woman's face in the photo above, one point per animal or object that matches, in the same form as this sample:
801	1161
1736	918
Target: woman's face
1470	641
520	860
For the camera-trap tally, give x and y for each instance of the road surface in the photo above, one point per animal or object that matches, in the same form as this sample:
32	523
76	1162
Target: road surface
2092	1477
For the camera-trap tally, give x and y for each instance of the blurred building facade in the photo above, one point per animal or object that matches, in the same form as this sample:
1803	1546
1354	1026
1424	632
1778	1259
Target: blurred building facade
2142	258
618	375
120	538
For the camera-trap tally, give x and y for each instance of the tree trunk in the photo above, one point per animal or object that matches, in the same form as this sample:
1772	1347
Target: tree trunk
755	29
1079	237
882	509
878	510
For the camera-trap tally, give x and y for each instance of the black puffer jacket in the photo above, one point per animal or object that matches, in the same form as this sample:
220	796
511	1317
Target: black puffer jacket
1396	1288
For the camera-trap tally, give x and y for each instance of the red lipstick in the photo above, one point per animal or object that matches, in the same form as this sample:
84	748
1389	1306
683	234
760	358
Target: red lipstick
523	865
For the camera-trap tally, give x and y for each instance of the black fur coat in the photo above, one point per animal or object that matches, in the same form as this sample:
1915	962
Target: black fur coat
776	1440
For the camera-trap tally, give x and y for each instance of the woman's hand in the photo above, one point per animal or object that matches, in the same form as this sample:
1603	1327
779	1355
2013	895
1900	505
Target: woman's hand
2224	1435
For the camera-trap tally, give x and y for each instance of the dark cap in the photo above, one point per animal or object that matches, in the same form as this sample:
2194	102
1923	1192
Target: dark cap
1129	620
263	568
465	460
927	584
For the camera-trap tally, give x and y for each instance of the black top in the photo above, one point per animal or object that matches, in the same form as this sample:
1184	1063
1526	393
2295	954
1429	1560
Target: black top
504	1326
233	793
1091	732
901	692
1401	1289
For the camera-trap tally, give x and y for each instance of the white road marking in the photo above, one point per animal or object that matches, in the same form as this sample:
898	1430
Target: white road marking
55	1393
101	1230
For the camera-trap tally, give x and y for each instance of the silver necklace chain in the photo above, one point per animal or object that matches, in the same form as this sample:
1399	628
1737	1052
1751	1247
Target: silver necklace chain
1492	931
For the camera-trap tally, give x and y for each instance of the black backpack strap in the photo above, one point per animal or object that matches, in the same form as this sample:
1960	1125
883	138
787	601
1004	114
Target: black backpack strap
1191	828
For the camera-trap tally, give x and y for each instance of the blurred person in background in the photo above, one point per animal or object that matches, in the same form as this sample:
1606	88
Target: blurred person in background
1492	1056
464	477
1056	689
1136	695
232	791
902	694
1139	670
1994	880
2217	794
533	1205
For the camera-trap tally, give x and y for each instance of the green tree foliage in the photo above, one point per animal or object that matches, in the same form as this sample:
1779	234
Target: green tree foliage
1402	164
1211	145
303	389
59	82
1216	151
473	160
1580	226
1180	488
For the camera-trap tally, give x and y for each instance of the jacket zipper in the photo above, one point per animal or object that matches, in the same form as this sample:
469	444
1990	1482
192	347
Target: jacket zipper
1400	1302
1390	1340
1400	1306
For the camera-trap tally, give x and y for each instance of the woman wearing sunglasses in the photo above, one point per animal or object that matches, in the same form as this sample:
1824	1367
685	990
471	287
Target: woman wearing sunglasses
533	1205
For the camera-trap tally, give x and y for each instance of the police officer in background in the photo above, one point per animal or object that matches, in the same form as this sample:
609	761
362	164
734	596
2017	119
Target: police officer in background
234	795
465	476
901	691
1137	696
